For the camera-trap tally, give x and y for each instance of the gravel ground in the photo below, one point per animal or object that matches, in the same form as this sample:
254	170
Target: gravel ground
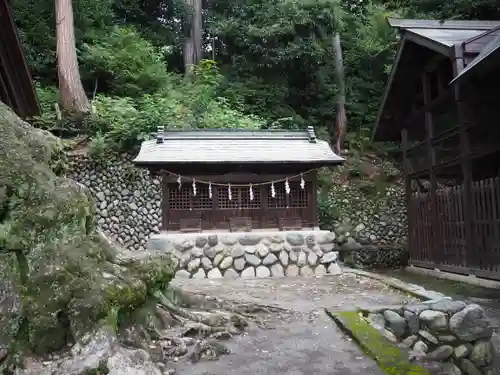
305	341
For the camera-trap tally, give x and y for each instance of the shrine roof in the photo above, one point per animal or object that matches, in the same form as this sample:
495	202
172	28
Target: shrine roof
231	146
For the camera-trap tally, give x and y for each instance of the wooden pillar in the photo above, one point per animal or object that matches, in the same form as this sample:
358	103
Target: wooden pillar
264	211
164	202
469	259
406	172
314	195
436	239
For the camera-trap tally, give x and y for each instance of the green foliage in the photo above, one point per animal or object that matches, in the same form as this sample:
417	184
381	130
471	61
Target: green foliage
360	140
327	211
36	24
276	55
122	122
47	97
123	63
98	147
369	46
274	62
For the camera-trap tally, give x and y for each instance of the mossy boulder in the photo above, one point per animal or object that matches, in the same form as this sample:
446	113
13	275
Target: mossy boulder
63	274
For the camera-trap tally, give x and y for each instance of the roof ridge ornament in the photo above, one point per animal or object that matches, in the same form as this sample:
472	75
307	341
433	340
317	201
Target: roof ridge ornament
311	134
160	134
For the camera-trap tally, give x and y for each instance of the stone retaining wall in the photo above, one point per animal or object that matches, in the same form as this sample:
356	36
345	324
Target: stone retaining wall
128	206
372	257
127	198
445	330
255	254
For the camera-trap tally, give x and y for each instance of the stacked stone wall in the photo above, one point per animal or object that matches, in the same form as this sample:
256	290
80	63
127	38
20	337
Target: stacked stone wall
247	255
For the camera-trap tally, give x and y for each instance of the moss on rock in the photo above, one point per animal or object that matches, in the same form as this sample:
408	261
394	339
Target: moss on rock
389	357
68	277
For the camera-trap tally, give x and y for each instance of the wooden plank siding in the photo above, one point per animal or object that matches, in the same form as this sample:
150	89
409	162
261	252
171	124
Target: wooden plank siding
16	87
454	222
284	211
448	250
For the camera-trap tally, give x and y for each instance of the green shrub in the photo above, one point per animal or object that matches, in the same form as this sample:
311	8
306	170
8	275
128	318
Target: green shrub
123	63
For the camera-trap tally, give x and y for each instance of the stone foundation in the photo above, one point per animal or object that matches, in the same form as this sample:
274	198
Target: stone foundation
250	254
446	330
372	257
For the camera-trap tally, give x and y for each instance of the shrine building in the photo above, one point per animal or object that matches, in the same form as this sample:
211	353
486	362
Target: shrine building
237	180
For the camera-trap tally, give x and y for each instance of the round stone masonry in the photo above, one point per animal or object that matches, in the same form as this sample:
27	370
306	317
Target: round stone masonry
128	210
445	330
250	254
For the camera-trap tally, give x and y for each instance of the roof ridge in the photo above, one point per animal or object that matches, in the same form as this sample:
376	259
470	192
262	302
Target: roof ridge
236	134
403	23
486	32
234	130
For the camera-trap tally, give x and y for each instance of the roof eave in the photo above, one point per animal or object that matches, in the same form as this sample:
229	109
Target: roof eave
388	87
145	163
417	39
30	105
428	43
403	23
472	68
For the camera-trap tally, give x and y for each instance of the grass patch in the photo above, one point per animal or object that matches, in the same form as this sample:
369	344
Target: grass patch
389	357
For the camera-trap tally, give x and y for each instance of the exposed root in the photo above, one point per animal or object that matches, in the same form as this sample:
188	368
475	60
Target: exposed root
192	327
187	333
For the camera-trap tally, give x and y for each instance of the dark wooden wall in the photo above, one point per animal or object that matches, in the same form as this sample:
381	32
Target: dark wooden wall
184	211
451	174
16	87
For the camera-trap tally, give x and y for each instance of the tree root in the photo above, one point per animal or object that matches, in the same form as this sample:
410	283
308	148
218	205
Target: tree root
194	335
182	327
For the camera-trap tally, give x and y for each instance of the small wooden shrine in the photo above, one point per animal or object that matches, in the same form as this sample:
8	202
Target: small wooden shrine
237	180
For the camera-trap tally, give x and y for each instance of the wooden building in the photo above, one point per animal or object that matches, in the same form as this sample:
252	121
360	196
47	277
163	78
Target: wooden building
442	103
237	180
16	86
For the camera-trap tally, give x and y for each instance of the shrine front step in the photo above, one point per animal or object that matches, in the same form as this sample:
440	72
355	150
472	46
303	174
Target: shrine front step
249	255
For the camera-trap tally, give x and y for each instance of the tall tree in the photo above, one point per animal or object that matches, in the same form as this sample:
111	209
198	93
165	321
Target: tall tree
193	43
341	117
73	98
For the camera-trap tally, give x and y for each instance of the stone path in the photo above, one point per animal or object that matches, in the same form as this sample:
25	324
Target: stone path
307	342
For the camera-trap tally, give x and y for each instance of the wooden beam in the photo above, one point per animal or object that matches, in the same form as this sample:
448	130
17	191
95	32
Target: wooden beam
241	178
164	203
436	240
427	43
429	107
314	198
388	88
407	181
469	258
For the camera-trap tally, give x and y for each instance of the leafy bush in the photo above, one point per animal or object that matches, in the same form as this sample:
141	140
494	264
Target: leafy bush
121	123
327	211
98	147
123	63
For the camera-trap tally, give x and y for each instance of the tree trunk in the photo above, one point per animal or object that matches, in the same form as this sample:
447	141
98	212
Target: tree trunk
193	44
341	117
73	98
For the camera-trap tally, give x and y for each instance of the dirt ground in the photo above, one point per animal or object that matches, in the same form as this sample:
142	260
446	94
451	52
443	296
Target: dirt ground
303	340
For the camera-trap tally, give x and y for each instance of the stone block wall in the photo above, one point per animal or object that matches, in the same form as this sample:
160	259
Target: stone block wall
127	198
445	330
371	218
128	207
256	254
372	257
